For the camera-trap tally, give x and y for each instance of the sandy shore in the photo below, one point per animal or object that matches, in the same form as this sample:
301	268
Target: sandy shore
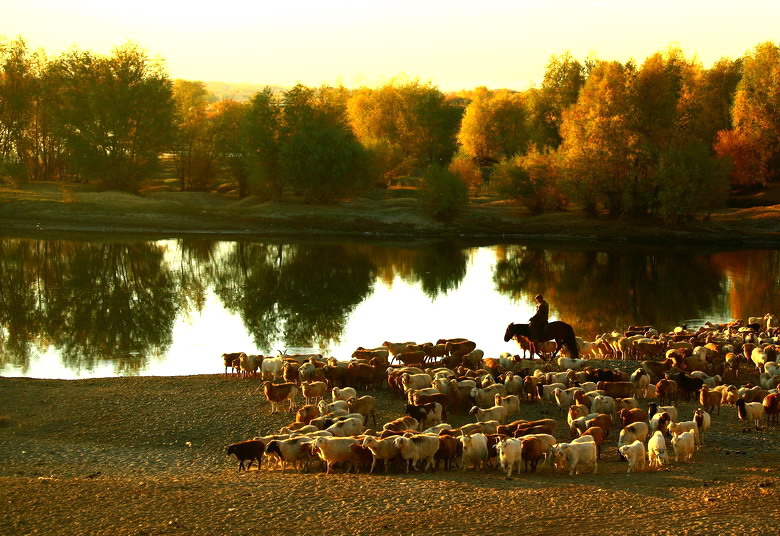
146	456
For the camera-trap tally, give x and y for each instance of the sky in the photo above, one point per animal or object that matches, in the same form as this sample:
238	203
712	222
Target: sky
453	44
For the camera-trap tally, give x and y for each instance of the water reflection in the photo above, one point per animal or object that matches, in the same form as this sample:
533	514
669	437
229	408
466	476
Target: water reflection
597	291
117	303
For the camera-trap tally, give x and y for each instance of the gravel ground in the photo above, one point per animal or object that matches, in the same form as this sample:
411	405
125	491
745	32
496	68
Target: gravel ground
146	456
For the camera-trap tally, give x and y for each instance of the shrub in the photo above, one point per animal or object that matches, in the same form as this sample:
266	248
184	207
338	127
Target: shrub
443	192
531	179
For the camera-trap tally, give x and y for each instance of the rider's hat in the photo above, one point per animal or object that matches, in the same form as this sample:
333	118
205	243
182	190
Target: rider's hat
538	297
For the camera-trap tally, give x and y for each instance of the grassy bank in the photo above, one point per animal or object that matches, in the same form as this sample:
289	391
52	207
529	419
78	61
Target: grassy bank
42	207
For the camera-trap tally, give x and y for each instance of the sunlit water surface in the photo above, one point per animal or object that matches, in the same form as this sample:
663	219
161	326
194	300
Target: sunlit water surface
76	309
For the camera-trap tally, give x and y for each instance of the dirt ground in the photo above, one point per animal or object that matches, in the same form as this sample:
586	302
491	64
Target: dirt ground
141	455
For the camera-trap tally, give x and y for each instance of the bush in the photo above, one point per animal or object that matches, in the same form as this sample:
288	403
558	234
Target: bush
443	192
531	179
467	169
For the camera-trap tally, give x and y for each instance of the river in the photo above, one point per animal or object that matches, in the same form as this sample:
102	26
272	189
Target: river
79	309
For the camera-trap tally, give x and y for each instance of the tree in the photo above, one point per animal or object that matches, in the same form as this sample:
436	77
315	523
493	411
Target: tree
689	181
493	126
444	193
227	121
319	156
599	146
563	79
195	155
416	117
116	115
17	88
756	110
261	131
531	179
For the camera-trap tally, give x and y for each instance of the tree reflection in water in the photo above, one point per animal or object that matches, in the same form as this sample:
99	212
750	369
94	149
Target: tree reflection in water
91	301
598	291
116	303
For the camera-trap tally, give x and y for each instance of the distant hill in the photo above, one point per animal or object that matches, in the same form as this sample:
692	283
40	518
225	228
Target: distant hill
238	92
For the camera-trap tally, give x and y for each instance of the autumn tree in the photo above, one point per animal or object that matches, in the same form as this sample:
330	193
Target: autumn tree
411	125
563	79
493	126
531	178
756	110
599	146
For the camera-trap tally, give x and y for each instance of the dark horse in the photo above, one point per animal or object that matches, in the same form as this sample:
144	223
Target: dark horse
561	332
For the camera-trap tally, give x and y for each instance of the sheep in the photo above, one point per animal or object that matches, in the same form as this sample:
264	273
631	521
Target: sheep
641	380
771	405
402	424
513	384
343	393
417	448
546	391
381	449
677	428
654	409
510	402
313	391
338	405
628	416
758	356
708	381
578	425
598	434
438	428
751	394
703	420
657	454
510	455
450	449
684	445
279	392
633	432
635	454
475	451
602	420
248	365
250	450
333	450
626	403
496	413
617	389
569	363
531	450
365	405
293	450
229	358
348	427
710	399
427	415
564	398
485	397
667	390
750	412
603	404
576	453
271	367
415	381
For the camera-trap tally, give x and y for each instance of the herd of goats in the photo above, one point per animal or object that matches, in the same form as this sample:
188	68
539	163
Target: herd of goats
452	376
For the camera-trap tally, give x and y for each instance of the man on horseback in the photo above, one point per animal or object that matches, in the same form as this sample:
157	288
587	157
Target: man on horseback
537	324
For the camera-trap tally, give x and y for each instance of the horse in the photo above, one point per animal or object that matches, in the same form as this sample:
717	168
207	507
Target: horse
559	331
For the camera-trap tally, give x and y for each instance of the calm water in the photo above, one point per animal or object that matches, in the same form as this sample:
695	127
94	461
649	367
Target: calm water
75	309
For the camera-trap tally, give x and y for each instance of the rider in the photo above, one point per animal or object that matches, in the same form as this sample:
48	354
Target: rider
538	322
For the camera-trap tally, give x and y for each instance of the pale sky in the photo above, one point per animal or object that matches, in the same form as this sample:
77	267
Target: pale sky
452	43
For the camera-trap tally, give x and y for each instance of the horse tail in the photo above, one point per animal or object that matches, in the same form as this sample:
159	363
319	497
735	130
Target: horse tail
571	343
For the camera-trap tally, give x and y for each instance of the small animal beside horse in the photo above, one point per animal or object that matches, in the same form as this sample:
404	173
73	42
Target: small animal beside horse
561	332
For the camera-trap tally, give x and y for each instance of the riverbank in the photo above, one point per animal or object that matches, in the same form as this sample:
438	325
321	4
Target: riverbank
40	208
146	455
